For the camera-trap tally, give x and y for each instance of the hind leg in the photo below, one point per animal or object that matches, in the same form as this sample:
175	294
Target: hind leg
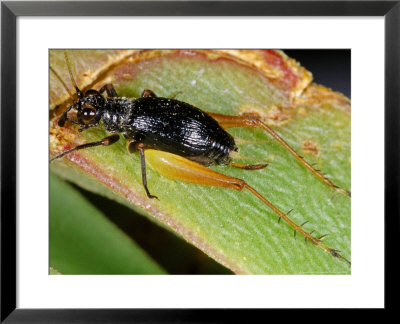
227	121
178	168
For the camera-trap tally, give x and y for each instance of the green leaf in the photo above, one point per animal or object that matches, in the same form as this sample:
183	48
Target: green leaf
53	271
234	228
84	241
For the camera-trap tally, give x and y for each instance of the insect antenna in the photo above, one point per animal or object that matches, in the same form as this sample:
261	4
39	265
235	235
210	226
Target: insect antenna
62	82
78	91
64	117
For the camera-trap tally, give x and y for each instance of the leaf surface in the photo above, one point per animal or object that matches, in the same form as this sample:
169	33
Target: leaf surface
232	227
84	241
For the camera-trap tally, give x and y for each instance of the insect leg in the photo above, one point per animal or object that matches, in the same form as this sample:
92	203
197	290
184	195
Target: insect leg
247	166
109	89
179	168
176	94
64	117
104	142
148	93
132	147
227	121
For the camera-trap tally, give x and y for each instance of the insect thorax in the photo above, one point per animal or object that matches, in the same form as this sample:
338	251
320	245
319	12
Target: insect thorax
116	114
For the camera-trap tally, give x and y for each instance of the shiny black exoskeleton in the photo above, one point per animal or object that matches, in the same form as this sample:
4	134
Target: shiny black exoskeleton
170	125
160	123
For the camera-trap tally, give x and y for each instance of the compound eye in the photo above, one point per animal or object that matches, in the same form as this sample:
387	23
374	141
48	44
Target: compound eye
88	113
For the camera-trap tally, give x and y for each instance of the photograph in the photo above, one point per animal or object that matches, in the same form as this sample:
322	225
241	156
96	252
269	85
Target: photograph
199	161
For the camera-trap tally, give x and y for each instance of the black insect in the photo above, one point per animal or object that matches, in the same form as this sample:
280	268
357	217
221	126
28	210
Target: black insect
178	140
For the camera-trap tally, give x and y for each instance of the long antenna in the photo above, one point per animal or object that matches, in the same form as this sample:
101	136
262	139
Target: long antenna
79	92
62	82
64	116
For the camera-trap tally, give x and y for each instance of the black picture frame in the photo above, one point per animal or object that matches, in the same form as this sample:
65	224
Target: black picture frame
390	10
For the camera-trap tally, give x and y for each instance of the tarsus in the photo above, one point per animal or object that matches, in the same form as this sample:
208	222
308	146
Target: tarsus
297	228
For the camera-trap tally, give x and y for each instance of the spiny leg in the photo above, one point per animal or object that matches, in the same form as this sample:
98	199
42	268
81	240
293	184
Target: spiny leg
179	168
132	147
109	89
104	142
227	121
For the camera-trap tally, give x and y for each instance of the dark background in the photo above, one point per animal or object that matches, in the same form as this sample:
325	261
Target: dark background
330	68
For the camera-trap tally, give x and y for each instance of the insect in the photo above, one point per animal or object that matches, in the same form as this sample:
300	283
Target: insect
178	140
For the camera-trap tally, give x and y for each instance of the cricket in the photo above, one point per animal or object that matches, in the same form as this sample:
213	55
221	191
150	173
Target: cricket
179	141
